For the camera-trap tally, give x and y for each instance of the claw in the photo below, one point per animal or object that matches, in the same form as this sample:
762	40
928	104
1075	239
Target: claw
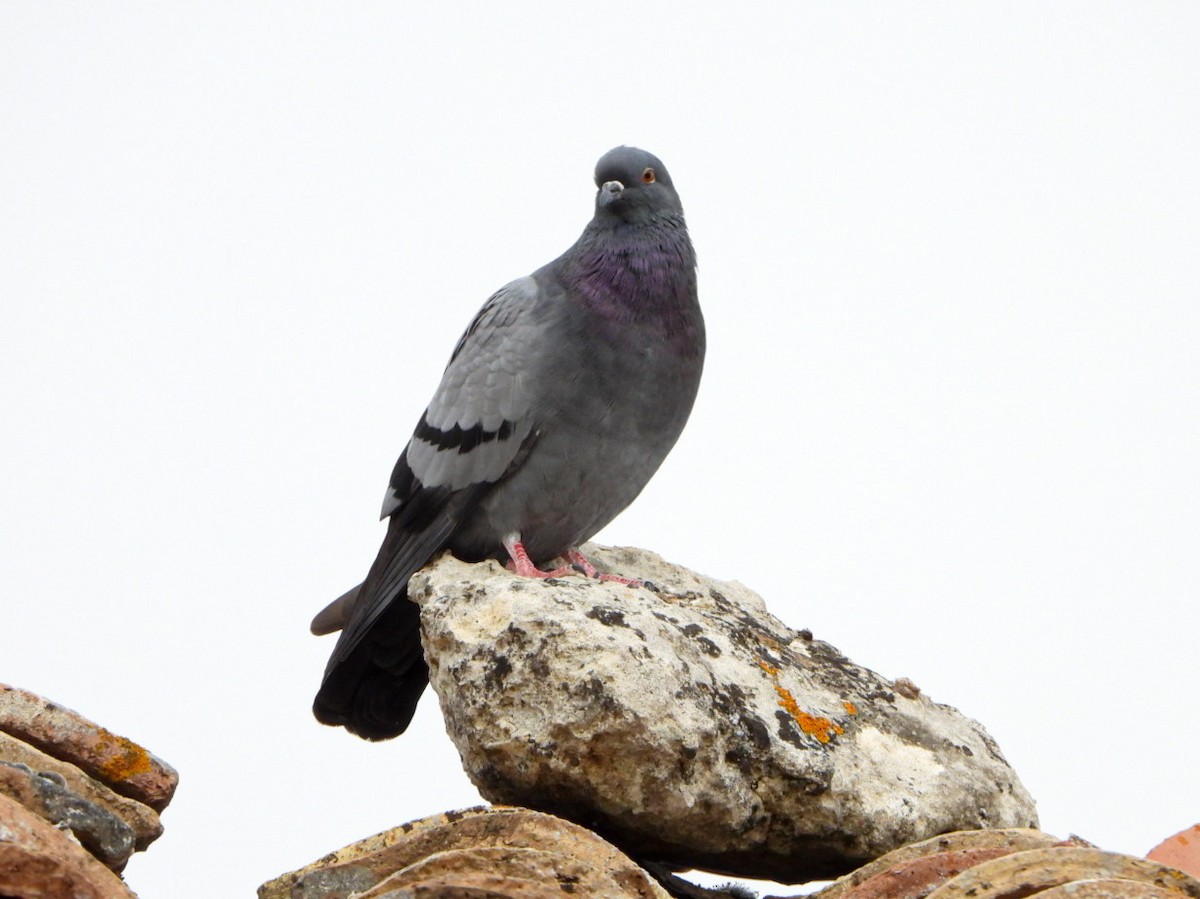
581	563
520	563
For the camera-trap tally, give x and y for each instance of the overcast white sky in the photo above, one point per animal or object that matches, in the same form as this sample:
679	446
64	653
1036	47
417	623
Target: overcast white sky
950	420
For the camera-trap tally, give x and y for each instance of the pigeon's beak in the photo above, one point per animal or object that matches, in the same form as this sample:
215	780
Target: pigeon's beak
609	191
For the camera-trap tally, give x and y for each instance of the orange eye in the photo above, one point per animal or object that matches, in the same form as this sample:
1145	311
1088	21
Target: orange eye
648	176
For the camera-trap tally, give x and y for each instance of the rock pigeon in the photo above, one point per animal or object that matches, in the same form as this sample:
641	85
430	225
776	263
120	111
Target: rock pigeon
558	404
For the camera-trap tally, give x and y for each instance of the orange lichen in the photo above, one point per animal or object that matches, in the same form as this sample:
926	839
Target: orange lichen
770	642
125	759
819	727
851	708
815	726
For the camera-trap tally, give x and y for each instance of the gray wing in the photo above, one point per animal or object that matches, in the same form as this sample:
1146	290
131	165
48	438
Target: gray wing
471	433
477	427
480	415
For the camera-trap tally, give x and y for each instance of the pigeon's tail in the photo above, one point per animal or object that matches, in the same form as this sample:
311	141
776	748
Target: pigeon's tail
377	671
373	691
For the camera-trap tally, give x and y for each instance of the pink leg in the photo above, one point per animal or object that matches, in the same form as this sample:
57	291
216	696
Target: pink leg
523	565
583	564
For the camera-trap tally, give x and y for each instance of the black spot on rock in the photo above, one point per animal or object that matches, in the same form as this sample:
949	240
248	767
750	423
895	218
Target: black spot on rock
594	690
497	672
741	758
710	648
609	617
758	732
788	730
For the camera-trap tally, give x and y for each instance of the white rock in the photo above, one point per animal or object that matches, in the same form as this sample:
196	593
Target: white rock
687	725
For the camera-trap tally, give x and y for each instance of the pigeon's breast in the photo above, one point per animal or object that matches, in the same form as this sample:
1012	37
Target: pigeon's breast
615	390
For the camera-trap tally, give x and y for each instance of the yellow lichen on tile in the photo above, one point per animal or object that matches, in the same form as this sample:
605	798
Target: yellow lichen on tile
127	760
851	708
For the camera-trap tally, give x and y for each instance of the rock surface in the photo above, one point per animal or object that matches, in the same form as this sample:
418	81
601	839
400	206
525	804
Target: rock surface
39	860
689	726
497	851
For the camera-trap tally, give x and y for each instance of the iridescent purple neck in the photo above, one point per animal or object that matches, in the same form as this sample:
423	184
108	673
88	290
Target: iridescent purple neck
644	274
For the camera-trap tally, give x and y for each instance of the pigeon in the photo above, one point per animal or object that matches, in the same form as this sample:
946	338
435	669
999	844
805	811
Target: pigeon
558	404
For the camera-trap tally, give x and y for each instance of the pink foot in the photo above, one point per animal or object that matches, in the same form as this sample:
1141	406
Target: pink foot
581	563
521	564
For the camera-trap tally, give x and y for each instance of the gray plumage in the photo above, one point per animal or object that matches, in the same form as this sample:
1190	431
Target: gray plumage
558	404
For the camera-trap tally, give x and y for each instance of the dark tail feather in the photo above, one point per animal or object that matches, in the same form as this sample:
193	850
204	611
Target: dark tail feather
373	692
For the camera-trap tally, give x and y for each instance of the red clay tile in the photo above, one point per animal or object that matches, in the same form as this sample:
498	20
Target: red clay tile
144	820
1181	851
115	761
996	842
1109	889
1027	873
38	859
918	877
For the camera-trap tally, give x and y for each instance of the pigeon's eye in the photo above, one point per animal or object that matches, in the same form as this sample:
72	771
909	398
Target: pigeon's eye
648	176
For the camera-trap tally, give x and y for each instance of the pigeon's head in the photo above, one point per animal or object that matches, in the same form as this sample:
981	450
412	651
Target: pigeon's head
634	187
